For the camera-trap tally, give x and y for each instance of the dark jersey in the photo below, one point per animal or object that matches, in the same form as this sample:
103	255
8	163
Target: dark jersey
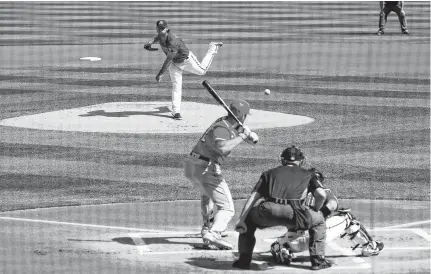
290	183
287	182
174	44
392	3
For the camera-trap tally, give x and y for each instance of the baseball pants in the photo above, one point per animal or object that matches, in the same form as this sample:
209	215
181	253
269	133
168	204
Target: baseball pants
384	17
207	178
192	65
269	214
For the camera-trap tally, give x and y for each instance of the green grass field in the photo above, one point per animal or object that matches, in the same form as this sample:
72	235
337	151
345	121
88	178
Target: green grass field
369	96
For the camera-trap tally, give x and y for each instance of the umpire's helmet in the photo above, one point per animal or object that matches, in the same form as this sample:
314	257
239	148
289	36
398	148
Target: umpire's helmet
292	154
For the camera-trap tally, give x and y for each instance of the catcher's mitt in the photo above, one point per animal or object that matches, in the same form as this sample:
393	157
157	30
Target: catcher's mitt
149	48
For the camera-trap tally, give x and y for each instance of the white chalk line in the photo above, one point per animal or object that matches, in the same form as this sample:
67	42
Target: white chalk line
409	224
408	248
286	268
422	233
145	231
350	253
140	244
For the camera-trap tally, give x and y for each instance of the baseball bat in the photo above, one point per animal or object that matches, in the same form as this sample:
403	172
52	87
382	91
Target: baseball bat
220	100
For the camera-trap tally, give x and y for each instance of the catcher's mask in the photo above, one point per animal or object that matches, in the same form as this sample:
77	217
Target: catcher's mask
292	154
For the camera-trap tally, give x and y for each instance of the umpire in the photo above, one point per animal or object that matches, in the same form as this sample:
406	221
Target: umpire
385	8
284	190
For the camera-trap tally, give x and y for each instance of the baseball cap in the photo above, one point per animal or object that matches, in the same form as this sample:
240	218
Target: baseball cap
161	24
240	107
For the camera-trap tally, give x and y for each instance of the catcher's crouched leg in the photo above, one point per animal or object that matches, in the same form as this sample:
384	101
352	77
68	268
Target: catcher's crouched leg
359	236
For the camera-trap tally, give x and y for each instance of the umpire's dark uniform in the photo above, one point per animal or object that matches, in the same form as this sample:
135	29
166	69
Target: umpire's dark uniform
284	189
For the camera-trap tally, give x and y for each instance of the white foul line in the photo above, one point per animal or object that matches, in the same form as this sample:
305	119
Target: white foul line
409	224
408	248
147	231
422	233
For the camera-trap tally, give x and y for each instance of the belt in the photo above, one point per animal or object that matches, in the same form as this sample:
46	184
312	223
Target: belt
200	157
281	201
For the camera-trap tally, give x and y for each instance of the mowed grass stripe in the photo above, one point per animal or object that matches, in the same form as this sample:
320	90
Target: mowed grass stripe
106	156
24	191
405	143
78	80
9	91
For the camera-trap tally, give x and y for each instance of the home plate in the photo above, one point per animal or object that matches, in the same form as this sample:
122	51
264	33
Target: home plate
146	117
90	59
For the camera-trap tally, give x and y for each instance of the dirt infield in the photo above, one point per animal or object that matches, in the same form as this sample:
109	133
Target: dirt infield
163	237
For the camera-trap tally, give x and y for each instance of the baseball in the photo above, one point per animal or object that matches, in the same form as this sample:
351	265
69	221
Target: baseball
267	91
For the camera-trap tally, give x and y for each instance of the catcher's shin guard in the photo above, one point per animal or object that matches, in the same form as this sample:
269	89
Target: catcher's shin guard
357	234
336	226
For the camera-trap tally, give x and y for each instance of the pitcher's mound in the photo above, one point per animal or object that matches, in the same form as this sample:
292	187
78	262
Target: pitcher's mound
146	117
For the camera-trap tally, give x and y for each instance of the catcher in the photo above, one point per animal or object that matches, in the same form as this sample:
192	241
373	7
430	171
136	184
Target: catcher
339	223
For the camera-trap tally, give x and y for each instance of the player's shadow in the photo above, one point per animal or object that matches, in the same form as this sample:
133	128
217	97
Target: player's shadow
160	240
210	263
160	112
215	264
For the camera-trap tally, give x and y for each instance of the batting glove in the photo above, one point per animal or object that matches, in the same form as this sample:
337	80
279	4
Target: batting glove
253	138
244	130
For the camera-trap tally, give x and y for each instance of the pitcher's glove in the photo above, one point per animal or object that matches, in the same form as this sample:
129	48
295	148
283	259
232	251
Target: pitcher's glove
149	48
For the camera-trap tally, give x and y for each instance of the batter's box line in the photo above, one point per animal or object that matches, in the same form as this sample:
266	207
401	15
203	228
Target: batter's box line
407	227
143	231
408	224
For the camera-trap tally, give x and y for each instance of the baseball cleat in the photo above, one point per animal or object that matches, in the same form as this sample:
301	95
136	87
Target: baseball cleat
380	32
214	238
177	116
241	265
406	32
319	262
243	262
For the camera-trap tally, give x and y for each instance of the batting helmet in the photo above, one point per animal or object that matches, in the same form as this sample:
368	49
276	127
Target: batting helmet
292	154
240	107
